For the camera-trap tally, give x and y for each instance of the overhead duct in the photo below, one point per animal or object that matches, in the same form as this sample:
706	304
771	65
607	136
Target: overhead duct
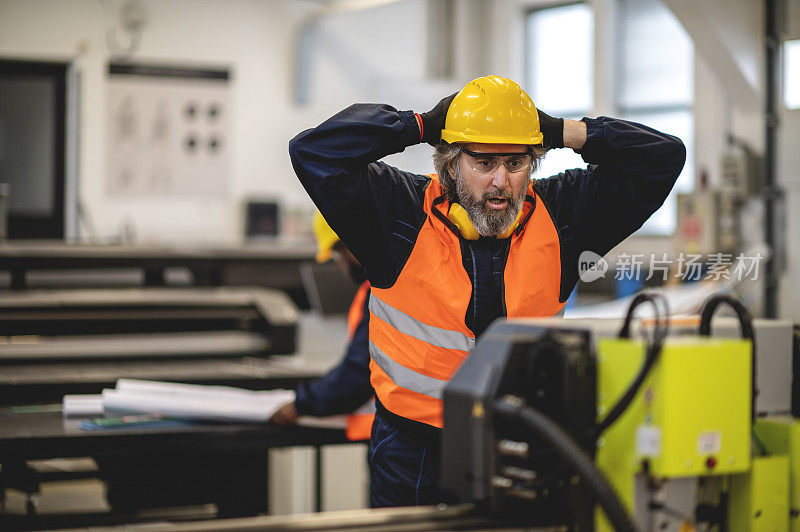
441	36
305	36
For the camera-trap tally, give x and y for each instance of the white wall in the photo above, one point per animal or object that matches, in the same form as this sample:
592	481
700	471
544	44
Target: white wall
246	36
356	58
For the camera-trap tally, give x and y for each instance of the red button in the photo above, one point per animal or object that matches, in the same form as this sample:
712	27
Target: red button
711	462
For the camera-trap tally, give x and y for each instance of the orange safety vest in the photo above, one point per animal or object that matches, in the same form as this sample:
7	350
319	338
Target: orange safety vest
417	331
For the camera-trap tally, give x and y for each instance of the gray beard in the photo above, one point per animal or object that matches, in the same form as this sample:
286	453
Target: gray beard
489	222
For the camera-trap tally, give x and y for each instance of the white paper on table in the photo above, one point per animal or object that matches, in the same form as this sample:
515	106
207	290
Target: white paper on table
82	405
178	388
192	406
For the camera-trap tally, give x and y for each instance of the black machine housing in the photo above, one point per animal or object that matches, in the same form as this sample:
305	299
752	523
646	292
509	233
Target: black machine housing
501	467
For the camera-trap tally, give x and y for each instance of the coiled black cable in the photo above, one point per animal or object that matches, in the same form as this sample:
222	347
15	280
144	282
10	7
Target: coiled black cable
653	350
516	413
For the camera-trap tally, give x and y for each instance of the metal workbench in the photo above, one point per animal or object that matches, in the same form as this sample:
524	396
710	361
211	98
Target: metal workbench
197	463
273	264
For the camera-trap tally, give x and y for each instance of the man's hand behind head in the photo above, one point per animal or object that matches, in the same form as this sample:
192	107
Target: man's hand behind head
552	129
433	121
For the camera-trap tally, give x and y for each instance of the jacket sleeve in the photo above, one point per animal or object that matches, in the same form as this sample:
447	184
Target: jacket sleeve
346	387
632	168
375	208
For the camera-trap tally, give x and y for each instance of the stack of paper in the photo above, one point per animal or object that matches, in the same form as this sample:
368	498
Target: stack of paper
182	401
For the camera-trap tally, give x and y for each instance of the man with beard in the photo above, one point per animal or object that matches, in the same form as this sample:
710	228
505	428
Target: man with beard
448	254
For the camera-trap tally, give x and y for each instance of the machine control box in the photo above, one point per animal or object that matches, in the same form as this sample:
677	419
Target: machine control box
549	369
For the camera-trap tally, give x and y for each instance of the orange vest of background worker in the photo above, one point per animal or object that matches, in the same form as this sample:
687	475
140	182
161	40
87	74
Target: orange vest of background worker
346	387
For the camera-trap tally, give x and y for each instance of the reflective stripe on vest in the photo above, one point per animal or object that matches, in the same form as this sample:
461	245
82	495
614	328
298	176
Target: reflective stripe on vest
405	377
421	331
417	332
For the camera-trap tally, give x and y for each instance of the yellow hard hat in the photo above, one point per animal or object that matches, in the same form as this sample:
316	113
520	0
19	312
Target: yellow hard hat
326	238
492	110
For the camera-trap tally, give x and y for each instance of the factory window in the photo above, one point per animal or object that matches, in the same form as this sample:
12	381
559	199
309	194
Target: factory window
791	74
551	60
655	86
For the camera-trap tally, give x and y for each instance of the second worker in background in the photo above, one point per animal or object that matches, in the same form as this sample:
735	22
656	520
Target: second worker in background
449	253
346	387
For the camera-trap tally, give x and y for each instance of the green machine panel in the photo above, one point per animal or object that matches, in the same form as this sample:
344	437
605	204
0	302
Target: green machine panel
781	435
691	417
759	500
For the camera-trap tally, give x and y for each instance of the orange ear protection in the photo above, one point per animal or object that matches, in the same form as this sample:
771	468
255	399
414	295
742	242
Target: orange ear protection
458	215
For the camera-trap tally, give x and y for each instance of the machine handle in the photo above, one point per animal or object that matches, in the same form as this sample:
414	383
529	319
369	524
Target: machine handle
660	331
711	305
746	323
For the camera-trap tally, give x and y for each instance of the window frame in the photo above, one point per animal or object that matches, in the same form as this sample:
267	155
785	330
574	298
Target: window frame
526	56
611	103
785	73
624	111
528	77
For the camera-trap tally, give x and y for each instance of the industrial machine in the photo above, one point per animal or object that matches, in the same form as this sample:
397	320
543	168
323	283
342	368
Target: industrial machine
561	422
490	457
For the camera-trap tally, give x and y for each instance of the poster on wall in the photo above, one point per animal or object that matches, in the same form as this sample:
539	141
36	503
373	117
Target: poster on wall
168	132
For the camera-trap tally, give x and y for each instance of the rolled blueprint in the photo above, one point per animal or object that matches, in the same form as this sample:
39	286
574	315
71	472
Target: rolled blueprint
248	407
82	405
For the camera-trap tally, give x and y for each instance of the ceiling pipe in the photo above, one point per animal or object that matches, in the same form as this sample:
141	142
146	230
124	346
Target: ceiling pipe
306	33
774	14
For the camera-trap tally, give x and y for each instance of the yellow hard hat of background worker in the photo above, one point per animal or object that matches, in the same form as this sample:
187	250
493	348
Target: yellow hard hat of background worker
326	238
492	110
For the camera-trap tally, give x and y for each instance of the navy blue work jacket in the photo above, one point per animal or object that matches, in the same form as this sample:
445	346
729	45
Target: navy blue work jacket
377	211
